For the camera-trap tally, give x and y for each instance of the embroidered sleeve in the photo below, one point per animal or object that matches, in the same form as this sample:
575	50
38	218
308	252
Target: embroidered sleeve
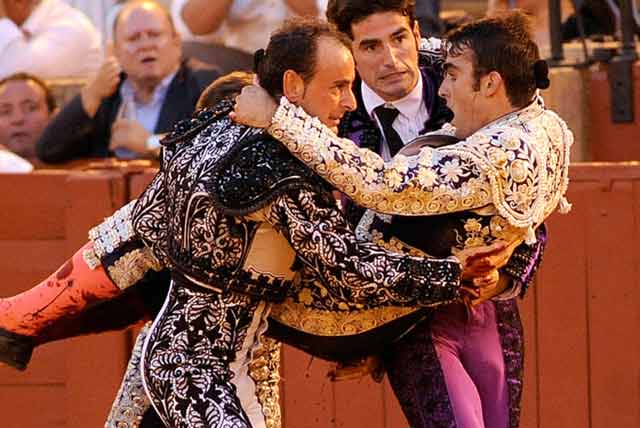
431	50
117	248
499	167
524	264
355	271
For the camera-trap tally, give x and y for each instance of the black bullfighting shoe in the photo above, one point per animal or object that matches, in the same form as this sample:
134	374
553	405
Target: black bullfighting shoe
15	349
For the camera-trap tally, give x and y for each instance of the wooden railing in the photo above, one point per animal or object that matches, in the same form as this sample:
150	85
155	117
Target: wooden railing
582	316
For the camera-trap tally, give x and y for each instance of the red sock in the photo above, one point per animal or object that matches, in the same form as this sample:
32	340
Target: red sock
73	287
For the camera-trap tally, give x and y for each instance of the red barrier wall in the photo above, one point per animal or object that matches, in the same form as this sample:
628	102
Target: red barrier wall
582	316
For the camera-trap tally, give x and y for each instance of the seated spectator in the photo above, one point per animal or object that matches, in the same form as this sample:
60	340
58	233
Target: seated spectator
47	38
240	24
428	16
539	12
138	94
26	106
11	163
599	18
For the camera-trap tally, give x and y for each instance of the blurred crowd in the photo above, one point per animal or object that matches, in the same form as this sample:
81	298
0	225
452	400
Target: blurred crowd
88	79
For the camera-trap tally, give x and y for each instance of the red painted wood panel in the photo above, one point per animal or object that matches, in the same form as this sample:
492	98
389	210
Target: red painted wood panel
308	395
45	217
612	288
581	318
561	317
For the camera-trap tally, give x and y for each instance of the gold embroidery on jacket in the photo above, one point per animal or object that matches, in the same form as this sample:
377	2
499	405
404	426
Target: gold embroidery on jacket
264	369
519	164
335	323
131	267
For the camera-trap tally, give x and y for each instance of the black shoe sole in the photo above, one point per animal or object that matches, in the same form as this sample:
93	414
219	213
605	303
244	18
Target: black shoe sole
15	349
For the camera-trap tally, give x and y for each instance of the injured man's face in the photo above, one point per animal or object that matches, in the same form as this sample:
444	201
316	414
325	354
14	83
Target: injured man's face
328	95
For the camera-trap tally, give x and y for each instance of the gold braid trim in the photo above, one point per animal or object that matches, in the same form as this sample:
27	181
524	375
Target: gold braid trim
335	323
131	267
264	369
131	401
91	259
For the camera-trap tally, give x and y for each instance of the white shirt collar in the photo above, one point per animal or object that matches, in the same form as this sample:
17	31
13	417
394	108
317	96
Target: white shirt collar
409	106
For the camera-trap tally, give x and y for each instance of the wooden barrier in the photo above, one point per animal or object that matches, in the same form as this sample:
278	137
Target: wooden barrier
44	218
581	317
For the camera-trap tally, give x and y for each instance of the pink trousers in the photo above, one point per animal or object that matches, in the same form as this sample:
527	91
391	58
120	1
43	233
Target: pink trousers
470	354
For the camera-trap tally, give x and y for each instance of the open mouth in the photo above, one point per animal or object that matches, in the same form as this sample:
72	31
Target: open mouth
19	135
148	60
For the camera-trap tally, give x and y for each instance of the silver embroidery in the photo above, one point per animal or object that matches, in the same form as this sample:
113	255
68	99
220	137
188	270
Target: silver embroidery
113	231
131	401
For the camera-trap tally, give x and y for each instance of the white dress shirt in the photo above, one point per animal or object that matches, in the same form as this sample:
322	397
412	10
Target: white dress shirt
56	41
98	11
411	118
248	25
147	114
11	163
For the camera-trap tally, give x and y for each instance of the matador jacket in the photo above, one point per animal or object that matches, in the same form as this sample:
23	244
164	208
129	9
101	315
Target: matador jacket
229	213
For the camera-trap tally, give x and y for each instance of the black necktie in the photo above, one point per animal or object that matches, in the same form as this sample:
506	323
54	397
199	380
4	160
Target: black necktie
386	116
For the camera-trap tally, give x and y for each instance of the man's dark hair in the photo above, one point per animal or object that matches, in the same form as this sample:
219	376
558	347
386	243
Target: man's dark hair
344	13
25	77
501	43
225	87
293	46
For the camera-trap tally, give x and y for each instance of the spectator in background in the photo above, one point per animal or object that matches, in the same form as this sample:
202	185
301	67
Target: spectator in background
12	163
47	38
138	94
428	17
599	17
539	12
97	11
26	106
241	24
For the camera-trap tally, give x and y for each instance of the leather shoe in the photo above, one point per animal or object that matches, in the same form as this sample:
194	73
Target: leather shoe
15	349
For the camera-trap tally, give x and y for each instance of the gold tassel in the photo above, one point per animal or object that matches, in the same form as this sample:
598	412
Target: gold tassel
564	206
531	236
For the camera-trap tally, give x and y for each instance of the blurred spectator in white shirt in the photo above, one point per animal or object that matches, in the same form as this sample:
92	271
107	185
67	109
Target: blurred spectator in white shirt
47	38
97	11
10	163
240	24
26	106
102	13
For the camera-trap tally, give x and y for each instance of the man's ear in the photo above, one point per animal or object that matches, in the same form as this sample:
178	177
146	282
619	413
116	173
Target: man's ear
416	33
491	83
292	86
